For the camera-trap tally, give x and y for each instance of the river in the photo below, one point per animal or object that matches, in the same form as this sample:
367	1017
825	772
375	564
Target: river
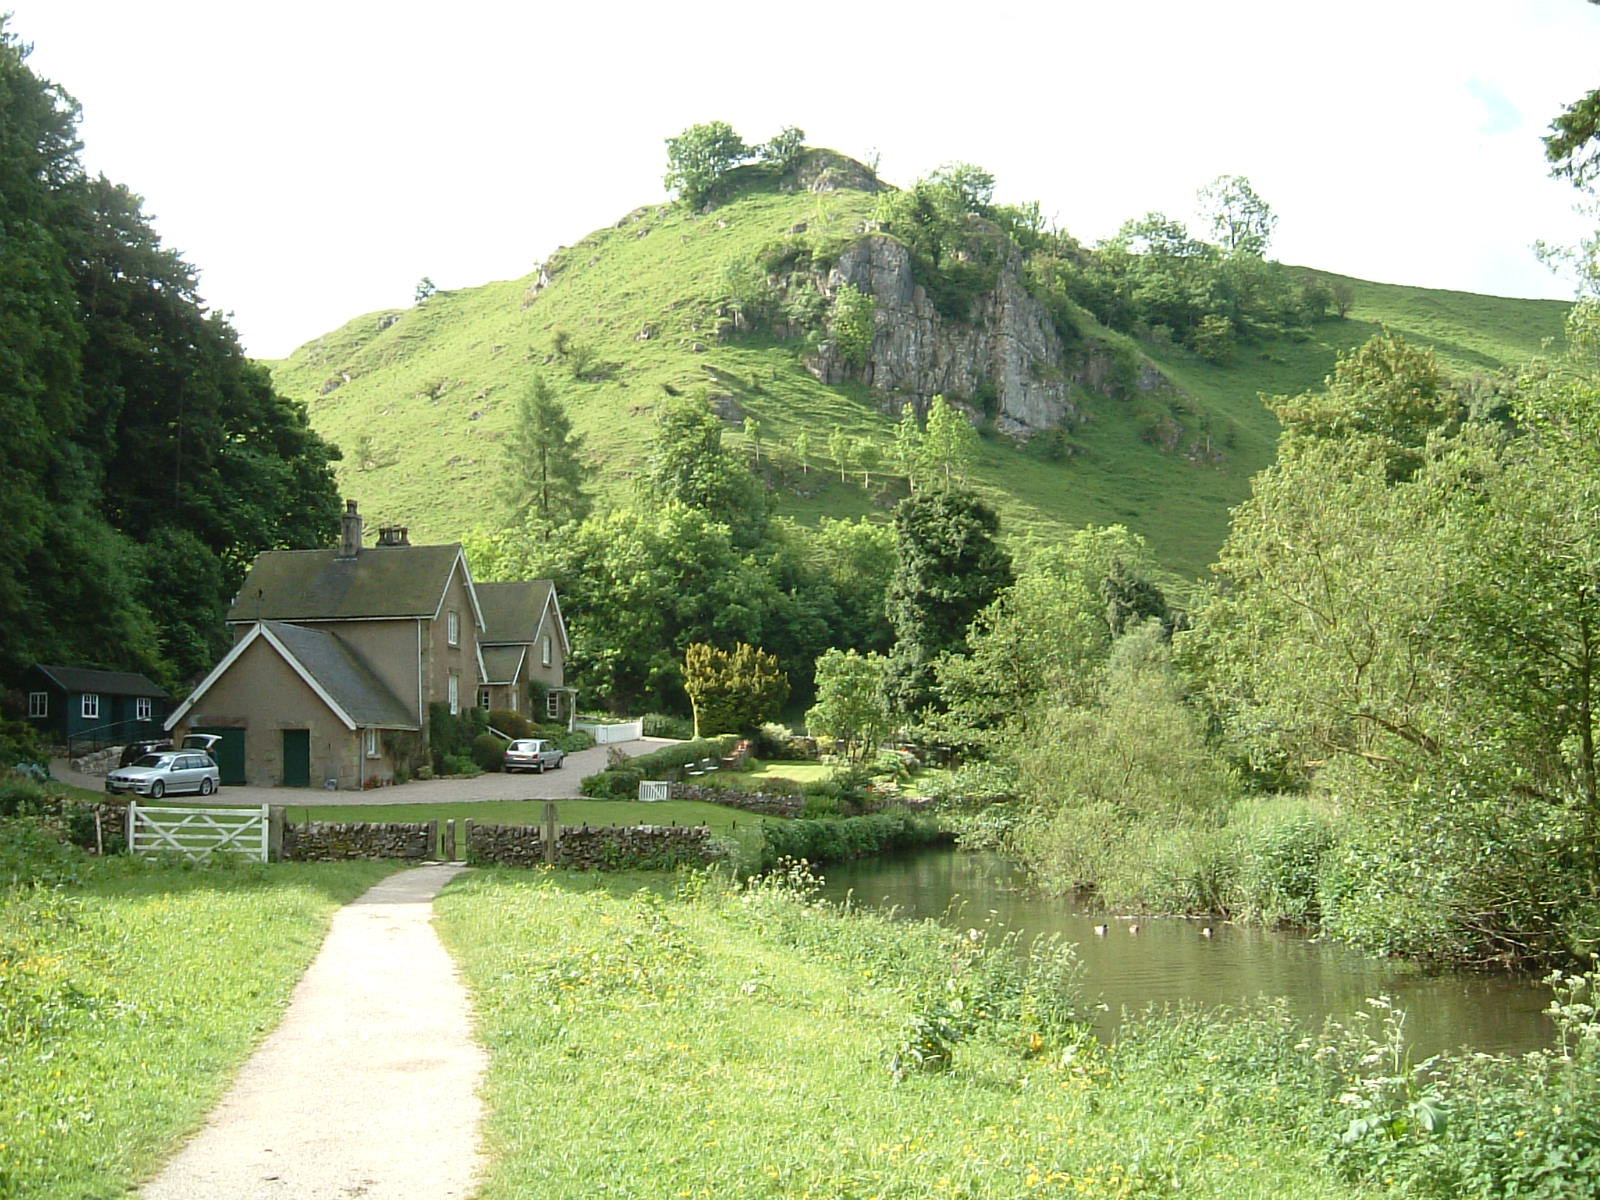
1168	959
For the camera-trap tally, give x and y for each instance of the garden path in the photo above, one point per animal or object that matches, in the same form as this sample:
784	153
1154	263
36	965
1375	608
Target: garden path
369	1085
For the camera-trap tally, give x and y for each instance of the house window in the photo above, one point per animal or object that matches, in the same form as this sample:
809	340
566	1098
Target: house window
552	705
546	651
38	704
483	699
455	694
452	627
91	705
372	743
141	708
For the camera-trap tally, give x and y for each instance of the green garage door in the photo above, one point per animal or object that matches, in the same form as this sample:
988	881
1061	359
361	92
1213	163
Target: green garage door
297	758
229	754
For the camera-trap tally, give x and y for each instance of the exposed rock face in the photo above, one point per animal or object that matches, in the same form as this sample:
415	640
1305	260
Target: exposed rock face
1009	344
821	170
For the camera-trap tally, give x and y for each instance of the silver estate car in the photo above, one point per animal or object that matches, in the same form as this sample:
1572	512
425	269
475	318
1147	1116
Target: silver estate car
532	754
166	771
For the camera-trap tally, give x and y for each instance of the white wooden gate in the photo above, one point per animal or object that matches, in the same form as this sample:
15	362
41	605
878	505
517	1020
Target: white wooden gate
653	789
198	833
630	731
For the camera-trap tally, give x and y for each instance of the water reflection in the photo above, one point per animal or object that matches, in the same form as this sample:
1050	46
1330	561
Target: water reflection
1168	960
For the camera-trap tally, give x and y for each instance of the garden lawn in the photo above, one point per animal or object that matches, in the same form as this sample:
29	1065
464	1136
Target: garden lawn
646	1042
127	1004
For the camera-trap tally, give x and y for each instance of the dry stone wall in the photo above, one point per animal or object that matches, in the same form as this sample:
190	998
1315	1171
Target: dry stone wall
766	804
325	841
592	848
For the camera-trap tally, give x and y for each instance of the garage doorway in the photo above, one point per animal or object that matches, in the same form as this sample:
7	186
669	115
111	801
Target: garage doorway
296	758
229	753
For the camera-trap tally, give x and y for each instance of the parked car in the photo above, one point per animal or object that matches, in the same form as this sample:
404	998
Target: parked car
533	754
134	751
167	771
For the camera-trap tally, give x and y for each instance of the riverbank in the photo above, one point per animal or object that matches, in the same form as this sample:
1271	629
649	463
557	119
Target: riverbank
653	1037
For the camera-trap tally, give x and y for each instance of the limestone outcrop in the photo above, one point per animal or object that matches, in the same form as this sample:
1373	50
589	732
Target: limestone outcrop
1006	358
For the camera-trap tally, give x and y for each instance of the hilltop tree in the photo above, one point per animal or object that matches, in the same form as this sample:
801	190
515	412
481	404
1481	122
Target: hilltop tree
700	157
1241	221
785	147
543	471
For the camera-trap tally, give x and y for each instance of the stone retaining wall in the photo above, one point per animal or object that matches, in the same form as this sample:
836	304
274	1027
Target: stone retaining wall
592	848
324	841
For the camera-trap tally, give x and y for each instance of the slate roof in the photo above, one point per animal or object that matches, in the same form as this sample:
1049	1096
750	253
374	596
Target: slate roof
343	675
511	611
318	585
500	663
106	683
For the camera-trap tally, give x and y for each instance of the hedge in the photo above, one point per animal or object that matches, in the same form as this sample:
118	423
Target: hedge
835	839
622	782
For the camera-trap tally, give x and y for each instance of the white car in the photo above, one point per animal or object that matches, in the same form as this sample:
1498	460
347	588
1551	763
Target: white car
166	771
532	754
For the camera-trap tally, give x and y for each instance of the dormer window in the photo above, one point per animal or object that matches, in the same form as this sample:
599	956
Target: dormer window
452	627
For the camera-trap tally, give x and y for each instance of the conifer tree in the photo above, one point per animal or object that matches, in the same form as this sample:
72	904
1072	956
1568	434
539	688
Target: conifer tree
544	475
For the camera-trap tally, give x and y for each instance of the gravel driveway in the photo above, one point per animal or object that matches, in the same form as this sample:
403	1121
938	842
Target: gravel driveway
552	785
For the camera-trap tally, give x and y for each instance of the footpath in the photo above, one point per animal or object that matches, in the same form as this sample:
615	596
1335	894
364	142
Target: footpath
368	1088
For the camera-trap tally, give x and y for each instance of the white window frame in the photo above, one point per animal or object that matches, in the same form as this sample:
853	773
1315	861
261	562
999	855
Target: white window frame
545	650
552	705
38	704
142	708
455	694
370	742
452	627
483	698
91	706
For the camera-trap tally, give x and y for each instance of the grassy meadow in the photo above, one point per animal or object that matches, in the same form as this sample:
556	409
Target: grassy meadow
128	1001
430	388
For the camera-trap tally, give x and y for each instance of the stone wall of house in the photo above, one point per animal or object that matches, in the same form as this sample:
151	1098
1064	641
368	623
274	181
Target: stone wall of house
592	848
324	841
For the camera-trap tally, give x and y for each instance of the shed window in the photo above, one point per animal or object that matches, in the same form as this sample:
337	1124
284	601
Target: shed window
141	708
372	743
552	705
455	694
38	704
452	627
546	651
91	705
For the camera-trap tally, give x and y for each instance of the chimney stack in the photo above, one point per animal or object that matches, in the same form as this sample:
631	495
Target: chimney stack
349	531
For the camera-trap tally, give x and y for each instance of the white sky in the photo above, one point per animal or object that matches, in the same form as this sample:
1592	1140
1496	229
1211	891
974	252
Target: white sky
314	160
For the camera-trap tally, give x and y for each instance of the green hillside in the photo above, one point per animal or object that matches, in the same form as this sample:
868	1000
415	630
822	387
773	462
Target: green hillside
420	399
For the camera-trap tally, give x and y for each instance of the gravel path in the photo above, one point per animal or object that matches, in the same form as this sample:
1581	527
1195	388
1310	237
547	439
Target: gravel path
552	785
368	1087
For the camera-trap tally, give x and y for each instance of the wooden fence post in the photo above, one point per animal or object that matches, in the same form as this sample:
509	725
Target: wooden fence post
466	839
450	840
433	837
550	833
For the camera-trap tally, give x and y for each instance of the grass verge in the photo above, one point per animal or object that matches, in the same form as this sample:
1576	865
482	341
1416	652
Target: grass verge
709	1042
127	1003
